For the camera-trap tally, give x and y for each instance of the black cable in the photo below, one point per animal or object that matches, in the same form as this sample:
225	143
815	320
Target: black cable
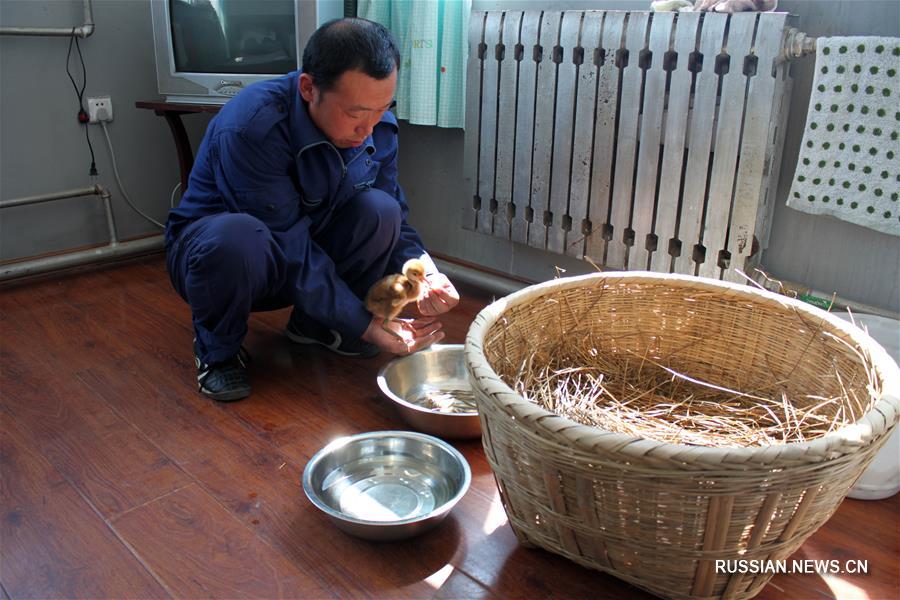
78	92
82	115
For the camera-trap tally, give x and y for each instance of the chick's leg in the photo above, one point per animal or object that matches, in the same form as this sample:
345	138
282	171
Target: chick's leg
384	325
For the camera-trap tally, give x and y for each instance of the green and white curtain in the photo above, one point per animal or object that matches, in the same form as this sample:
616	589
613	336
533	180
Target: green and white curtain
431	86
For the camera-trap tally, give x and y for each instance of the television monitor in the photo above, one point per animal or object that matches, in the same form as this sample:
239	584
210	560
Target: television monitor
209	50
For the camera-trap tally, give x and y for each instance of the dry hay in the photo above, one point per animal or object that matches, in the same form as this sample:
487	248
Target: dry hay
647	395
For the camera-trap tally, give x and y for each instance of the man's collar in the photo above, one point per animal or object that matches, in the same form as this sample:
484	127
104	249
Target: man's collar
304	132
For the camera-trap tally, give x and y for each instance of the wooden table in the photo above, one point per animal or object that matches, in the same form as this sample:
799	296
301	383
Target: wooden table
172	112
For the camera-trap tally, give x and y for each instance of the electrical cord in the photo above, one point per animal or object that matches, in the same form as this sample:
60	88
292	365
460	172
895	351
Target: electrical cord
83	117
112	154
172	195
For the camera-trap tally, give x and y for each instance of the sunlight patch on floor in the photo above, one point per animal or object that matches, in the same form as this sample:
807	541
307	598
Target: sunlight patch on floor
838	583
437	579
844	589
496	516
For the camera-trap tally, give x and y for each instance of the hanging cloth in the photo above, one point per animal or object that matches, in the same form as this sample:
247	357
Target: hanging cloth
431	35
848	164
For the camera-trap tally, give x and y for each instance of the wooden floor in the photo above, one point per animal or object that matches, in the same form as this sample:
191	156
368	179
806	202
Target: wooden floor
120	480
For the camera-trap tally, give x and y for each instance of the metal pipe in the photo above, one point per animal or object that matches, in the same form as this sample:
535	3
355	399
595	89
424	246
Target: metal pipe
81	31
499	286
113	250
57	262
796	44
95	190
110	222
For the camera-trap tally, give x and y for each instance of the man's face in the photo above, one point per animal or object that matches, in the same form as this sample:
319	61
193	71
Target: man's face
348	112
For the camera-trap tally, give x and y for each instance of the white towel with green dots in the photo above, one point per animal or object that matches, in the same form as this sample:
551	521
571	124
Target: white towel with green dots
849	164
433	52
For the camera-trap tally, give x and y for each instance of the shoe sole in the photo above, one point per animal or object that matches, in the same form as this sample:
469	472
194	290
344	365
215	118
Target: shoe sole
300	339
226	396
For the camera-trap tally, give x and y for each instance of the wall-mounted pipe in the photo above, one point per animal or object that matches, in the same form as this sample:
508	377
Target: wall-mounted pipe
487	280
94	190
499	285
58	262
81	31
110	222
796	44
111	251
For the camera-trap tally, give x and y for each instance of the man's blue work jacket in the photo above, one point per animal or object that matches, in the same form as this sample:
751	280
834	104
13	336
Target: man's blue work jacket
262	155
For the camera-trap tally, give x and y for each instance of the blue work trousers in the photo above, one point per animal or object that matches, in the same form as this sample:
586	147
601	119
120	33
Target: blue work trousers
228	265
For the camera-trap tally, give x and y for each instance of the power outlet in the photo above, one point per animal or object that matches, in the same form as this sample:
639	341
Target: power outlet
100	109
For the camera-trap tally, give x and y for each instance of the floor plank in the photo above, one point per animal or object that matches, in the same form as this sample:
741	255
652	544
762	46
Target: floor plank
458	585
198	550
53	544
100	454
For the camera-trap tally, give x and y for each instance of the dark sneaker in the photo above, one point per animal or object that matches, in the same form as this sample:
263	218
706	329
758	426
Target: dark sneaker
226	381
309	332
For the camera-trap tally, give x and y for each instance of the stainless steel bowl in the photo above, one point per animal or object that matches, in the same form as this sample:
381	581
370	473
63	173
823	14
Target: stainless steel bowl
386	485
437	373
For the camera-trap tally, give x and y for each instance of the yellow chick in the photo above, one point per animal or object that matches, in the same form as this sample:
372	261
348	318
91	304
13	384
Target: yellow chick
389	295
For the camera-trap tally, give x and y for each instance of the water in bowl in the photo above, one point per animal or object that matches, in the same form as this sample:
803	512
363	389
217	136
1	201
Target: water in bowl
387	488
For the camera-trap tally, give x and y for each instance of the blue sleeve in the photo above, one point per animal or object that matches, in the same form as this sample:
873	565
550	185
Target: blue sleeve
410	244
254	178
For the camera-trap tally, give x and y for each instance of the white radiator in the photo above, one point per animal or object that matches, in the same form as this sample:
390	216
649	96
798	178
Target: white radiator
639	140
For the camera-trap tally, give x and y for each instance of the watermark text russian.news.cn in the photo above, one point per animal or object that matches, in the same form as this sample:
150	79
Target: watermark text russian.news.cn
808	565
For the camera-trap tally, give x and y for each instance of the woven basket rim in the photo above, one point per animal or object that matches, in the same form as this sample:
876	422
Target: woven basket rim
846	439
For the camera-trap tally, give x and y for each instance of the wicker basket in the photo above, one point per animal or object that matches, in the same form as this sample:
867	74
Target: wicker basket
659	515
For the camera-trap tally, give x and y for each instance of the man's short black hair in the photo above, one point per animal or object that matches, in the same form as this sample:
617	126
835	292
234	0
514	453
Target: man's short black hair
349	45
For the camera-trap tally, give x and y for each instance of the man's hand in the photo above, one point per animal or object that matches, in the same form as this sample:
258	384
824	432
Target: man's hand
416	335
439	297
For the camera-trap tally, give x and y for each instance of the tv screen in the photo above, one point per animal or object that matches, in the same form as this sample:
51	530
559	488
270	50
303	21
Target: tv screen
209	50
234	36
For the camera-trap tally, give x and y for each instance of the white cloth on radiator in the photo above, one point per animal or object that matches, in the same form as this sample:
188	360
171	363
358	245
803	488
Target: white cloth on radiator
849	163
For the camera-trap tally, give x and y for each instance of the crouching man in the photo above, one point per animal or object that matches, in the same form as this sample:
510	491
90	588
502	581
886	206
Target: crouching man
293	201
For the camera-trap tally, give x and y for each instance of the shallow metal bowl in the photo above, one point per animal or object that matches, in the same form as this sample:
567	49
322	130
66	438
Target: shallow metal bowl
436	372
386	485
